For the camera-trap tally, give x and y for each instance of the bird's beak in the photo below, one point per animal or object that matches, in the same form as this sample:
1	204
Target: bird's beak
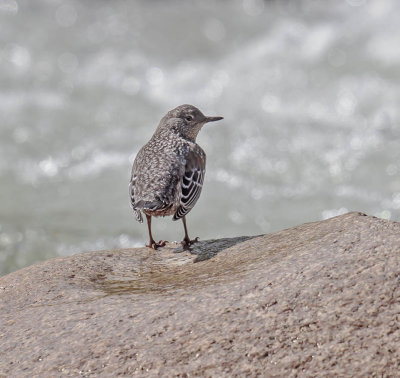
213	119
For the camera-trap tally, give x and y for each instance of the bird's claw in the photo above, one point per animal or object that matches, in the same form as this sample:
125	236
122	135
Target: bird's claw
186	243
154	245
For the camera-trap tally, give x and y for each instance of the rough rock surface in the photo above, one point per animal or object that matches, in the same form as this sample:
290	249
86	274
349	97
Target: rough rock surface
320	299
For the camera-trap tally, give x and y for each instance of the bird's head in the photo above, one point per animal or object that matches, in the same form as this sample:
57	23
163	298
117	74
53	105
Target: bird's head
186	120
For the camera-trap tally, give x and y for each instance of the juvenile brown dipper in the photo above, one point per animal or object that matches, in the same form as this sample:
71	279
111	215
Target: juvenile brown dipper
168	171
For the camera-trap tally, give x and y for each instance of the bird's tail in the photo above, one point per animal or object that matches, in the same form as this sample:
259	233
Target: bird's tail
156	205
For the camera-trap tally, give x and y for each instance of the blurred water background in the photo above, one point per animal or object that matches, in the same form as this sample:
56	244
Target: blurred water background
309	91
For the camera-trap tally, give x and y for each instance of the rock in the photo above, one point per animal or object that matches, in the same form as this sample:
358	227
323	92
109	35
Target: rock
319	299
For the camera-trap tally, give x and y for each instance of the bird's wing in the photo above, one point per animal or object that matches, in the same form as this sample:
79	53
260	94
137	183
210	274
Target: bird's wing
192	182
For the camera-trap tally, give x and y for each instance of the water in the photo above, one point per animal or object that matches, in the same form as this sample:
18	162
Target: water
309	91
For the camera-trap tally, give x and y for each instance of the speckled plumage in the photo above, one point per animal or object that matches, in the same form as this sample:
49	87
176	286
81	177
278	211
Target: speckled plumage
168	172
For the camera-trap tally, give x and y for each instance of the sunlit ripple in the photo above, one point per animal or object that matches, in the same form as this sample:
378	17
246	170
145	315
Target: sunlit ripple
121	241
214	30
8	7
15	101
96	163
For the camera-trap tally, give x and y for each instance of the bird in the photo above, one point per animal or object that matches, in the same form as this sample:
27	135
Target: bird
168	171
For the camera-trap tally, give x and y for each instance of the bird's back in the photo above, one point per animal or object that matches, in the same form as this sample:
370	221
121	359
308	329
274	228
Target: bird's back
156	174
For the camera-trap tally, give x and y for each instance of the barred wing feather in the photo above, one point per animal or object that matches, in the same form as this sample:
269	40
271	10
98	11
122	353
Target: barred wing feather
191	184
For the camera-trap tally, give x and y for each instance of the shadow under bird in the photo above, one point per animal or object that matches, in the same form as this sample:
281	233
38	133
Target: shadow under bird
168	171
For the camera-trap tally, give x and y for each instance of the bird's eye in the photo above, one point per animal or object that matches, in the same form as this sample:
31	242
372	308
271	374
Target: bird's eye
189	118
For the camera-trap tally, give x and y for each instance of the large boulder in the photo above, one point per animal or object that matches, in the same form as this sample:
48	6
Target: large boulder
319	299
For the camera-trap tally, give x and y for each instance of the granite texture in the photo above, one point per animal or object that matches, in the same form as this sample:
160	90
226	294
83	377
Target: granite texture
320	299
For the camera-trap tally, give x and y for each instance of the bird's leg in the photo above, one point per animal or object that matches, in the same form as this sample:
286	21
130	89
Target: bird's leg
186	242
152	243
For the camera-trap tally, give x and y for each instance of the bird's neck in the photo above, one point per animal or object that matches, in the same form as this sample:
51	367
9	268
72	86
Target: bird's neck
175	132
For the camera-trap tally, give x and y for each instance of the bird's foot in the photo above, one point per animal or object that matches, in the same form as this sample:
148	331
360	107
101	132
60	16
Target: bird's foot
186	243
152	244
